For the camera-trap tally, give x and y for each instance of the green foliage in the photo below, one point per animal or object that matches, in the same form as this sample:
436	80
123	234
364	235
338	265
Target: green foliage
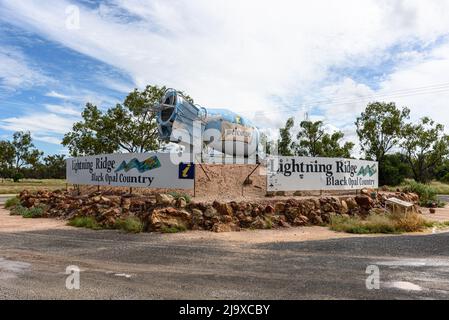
85	222
379	128
178	195
130	225
426	146
25	152
313	141
309	137
129	127
393	170
17	176
380	223
33	212
440	187
285	142
7	153
445	178
16	155
427	193
12	202
173	229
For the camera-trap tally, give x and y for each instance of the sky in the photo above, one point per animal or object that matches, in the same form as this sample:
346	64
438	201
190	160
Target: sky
266	60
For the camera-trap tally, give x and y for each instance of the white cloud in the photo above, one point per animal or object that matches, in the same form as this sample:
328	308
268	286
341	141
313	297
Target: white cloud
57	95
67	110
260	55
16	72
43	127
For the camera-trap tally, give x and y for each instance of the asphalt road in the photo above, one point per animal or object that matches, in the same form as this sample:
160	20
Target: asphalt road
3	198
154	266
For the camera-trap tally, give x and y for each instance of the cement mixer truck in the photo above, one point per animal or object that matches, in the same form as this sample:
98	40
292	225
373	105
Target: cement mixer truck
195	127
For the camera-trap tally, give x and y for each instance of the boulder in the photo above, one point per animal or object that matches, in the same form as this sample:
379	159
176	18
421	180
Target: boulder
269	209
164	199
181	202
210	212
170	218
364	202
344	207
223	209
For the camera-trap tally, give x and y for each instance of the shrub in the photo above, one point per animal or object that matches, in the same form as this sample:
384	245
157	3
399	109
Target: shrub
85	222
33	212
380	223
18	210
178	195
393	170
445	179
131	225
426	192
12	202
17	177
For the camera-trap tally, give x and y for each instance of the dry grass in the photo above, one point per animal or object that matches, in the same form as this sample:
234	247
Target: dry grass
381	223
11	187
440	187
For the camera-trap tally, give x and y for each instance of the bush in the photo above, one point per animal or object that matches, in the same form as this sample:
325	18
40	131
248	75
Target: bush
178	195
17	177
380	223
131	225
12	202
393	170
33	212
18	210
445	179
427	194
85	222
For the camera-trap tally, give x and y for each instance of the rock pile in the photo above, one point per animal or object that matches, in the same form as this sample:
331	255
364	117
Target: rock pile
161	211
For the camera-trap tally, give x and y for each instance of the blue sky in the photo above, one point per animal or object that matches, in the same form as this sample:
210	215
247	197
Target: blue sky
326	58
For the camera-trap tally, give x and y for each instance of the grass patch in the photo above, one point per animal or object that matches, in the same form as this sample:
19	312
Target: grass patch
12	202
10	187
440	187
440	225
173	229
29	213
380	223
130	225
85	222
178	195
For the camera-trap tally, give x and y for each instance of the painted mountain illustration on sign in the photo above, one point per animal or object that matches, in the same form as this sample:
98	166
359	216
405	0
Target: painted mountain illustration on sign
367	171
141	166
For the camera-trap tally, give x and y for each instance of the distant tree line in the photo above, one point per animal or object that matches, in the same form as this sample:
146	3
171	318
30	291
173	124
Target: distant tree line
20	159
403	149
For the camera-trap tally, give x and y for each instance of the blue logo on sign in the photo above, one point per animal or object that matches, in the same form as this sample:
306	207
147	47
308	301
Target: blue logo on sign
186	171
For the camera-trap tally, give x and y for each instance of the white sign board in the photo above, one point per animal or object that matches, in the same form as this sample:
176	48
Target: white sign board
303	173
145	170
